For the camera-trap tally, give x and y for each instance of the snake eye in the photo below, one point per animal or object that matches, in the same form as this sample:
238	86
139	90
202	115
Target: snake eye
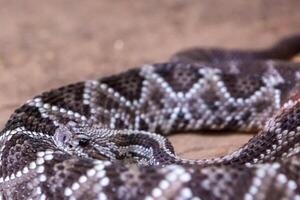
83	142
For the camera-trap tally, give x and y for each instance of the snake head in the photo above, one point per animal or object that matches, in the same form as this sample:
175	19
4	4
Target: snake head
86	141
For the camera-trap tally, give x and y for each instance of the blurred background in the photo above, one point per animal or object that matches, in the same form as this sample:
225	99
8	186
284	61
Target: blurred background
46	44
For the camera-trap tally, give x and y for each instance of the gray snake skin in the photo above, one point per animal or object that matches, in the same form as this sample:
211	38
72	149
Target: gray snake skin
105	139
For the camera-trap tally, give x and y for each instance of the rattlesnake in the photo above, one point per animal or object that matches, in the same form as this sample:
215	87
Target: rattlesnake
105	139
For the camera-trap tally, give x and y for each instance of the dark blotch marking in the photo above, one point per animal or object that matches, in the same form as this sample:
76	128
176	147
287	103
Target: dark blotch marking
181	77
30	118
128	84
69	97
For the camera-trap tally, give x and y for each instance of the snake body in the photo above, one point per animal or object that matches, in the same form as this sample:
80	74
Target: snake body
105	139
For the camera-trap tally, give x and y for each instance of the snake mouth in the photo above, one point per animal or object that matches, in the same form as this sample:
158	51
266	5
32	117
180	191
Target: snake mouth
101	152
99	156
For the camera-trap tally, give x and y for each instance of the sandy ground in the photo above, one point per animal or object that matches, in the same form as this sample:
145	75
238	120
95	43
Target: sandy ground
46	44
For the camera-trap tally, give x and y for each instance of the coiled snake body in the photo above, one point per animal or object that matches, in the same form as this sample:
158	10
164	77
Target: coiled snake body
104	139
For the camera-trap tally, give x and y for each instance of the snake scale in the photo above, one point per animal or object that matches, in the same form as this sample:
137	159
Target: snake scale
106	139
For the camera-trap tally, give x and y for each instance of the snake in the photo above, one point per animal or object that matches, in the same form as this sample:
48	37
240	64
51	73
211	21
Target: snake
107	138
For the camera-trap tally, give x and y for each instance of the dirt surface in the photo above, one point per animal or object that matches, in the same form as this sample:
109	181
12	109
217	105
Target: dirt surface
46	44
